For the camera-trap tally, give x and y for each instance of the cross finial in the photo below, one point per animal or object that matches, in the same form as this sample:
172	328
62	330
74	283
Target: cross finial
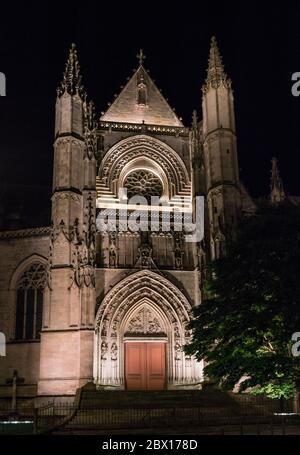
141	57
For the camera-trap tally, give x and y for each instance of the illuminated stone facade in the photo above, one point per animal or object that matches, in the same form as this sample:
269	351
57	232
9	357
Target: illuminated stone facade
103	289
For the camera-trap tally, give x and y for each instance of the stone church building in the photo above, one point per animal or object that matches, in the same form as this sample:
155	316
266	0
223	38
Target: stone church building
81	304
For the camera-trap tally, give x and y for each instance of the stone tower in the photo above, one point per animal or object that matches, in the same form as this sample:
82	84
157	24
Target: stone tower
68	318
220	153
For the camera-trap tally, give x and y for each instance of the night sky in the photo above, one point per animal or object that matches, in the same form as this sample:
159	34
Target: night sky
259	42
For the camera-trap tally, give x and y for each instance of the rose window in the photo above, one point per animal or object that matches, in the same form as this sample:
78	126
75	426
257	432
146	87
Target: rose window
143	183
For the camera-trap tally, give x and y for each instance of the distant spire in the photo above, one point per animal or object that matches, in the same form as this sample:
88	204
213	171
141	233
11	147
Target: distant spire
194	120
277	191
141	57
215	72
71	82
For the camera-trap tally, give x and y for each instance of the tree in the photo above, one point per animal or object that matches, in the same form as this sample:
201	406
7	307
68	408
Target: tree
243	329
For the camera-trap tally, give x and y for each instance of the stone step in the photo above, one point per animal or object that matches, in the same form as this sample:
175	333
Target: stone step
92	398
96	421
118	410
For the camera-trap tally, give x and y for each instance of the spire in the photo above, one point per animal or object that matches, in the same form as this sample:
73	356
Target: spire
71	82
277	191
215	72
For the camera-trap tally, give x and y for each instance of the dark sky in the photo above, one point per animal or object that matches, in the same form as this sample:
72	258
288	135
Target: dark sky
259	41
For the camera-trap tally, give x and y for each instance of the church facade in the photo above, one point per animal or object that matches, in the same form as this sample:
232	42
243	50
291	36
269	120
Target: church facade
79	303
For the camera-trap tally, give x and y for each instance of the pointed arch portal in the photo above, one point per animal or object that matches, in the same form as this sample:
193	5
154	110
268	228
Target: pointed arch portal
140	331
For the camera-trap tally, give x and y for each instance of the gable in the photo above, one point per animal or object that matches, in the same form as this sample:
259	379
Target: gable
141	102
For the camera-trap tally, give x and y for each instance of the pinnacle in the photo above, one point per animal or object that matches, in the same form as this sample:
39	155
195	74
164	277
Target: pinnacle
71	82
215	72
215	64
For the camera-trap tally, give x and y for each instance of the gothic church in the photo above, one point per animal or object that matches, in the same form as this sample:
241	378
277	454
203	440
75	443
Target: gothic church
80	305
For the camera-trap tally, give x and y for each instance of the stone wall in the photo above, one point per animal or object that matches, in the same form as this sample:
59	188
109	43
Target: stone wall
18	250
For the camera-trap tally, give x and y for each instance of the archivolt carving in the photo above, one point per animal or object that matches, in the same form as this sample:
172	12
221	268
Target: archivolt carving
144	146
153	286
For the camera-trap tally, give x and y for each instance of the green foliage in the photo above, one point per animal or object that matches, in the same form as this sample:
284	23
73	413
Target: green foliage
244	326
276	391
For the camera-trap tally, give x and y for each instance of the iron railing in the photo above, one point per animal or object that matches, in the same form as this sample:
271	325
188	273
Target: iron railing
244	415
256	414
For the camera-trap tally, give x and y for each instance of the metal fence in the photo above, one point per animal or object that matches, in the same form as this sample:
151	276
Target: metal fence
51	415
240	414
6	411
256	415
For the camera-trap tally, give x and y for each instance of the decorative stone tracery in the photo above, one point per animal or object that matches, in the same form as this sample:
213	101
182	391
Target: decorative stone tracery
143	183
144	322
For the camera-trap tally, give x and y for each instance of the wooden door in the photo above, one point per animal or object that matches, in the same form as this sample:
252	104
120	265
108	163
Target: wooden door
145	366
135	372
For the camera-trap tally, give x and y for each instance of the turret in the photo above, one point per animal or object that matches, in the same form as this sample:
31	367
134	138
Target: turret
220	153
70	295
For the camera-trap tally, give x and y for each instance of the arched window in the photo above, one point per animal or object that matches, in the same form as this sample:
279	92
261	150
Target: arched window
29	309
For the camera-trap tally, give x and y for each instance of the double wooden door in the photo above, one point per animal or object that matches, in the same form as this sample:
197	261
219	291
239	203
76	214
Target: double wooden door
145	365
